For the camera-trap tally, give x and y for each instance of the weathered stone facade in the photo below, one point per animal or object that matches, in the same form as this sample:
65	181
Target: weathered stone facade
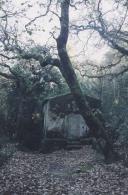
62	117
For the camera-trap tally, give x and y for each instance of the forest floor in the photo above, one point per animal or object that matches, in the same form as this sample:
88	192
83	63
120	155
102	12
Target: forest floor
76	172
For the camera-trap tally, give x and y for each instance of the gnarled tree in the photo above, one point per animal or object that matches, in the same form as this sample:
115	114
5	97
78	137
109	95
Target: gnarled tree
68	73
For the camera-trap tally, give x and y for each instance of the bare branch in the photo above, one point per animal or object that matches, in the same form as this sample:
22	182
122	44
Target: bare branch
7	57
42	15
43	61
14	75
7	76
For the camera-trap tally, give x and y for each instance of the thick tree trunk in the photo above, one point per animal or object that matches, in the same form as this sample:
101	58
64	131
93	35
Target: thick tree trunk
68	73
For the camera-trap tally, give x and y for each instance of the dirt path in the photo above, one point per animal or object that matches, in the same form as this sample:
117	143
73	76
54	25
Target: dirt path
78	172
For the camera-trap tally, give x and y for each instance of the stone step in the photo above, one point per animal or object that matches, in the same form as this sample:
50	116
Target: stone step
86	141
73	142
73	147
55	139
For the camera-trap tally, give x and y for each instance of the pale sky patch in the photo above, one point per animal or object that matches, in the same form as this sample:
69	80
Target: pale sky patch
77	47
